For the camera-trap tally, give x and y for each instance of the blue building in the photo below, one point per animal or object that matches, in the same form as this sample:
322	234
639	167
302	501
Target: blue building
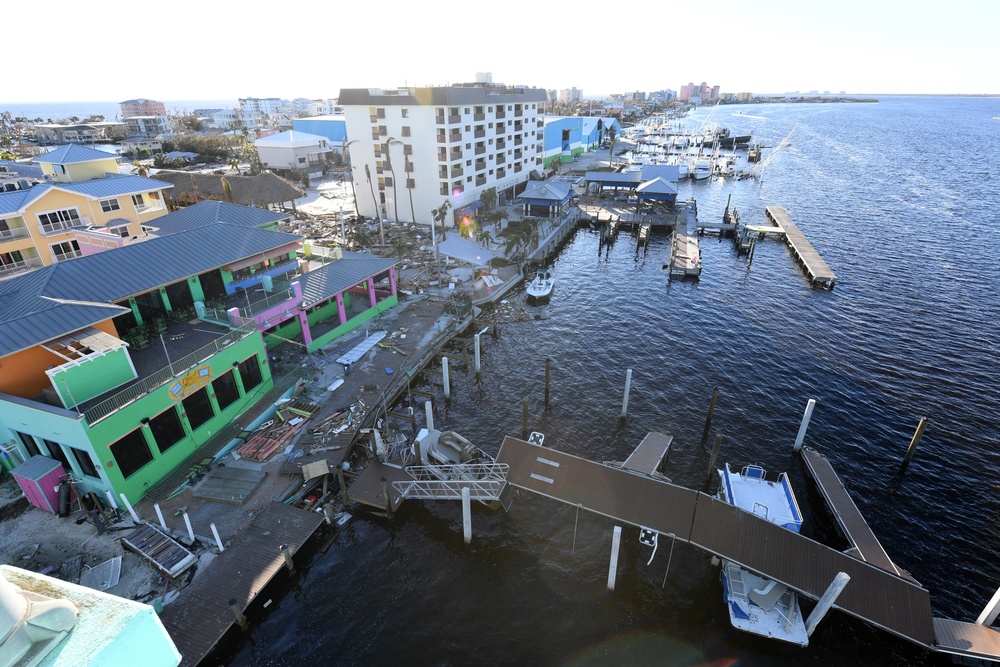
565	137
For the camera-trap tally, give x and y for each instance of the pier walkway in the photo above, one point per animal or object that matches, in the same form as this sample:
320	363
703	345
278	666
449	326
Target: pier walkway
685	251
815	267
647	457
199	618
857	531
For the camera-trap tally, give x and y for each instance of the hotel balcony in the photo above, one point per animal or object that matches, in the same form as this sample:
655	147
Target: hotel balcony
8	269
14	233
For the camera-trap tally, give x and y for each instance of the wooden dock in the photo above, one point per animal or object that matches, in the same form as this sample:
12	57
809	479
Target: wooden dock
874	595
685	250
649	455
815	267
864	544
374	486
200	617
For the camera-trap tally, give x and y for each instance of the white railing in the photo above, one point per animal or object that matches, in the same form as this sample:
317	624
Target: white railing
485	481
18	266
14	233
146	208
72	254
63	225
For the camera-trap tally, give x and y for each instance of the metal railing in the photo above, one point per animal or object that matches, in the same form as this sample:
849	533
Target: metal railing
20	265
14	233
164	375
485	481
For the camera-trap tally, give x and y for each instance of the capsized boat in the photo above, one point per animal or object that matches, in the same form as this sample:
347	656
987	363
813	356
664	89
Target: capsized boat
756	604
447	448
541	286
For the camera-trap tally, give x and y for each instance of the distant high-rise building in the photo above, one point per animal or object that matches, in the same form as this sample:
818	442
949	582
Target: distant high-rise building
261	105
701	91
570	95
142	107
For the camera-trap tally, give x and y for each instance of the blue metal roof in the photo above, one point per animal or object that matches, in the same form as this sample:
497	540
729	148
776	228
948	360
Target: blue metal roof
12	202
549	192
321	284
74	153
56	300
25	169
114	185
614	178
215	212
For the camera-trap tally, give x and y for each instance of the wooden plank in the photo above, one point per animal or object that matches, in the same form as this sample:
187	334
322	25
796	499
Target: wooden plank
967	639
816	268
368	487
647	457
229	484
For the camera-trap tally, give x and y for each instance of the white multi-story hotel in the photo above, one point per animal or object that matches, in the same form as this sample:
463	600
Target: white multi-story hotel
260	105
412	149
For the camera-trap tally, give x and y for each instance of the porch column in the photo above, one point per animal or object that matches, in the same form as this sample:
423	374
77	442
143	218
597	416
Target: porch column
371	292
341	311
166	300
304	323
135	310
197	293
392	279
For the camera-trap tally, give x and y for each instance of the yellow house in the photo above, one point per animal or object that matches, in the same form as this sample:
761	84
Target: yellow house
68	218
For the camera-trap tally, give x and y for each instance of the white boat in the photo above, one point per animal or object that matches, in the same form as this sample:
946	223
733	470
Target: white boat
446	448
702	169
756	604
541	286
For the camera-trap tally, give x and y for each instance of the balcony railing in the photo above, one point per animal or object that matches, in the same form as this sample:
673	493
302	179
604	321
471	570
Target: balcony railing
517	140
164	375
501	158
480	180
518	112
151	206
501	114
479	116
63	225
442	139
455	118
480	149
14	233
72	254
18	266
479	134
480	165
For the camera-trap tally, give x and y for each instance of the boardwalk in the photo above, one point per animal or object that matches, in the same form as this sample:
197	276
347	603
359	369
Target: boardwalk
685	251
865	545
374	486
200	617
647	457
873	595
815	267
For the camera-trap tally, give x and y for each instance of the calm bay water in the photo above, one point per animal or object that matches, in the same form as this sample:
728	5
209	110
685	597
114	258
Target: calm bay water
898	197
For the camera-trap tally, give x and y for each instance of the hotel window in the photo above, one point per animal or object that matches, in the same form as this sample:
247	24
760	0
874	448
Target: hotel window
131	453
250	373
108	205
167	429
406	113
137	200
58	221
198	408
444	189
406	130
65	250
29	441
226	391
121	230
85	461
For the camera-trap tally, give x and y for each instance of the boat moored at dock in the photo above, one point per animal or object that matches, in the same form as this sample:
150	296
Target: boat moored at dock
541	286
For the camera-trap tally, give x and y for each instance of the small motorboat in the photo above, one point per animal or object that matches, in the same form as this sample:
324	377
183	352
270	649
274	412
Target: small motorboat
541	286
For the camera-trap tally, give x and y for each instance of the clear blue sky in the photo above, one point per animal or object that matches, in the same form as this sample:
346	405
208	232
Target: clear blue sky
115	50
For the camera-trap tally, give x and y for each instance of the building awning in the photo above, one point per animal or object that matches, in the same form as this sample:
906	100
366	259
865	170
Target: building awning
465	250
469	208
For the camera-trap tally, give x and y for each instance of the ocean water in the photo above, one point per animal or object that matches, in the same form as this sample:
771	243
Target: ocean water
899	198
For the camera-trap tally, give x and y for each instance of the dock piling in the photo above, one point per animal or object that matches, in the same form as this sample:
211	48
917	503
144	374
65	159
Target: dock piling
218	540
444	374
912	449
287	555
715	453
708	420
479	367
991	611
804	425
159	515
616	542
524	419
241	620
187	522
467	514
825	602
628	387
131	510
547	365
429	410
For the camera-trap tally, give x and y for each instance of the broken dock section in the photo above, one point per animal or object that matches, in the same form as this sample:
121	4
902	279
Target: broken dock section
816	269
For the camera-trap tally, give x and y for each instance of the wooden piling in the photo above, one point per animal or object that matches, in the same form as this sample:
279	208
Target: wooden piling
616	541
445	378
524	419
287	555
715	454
547	374
913	443
804	425
241	620
708	420
628	387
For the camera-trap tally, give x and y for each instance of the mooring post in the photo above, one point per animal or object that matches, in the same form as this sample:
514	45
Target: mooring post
429	410
991	610
628	386
342	482
187	522
825	602
131	510
444	374
616	541
241	620
467	514
385	497
804	425
715	453
328	513
708	420
287	555
479	367
547	365
913	443
159	515
218	540
524	419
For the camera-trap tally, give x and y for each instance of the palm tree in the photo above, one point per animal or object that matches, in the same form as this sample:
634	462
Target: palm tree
484	238
235	164
368	175
140	169
359	237
401	248
388	160
440	215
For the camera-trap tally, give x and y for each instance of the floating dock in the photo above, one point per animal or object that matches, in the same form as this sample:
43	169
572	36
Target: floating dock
685	252
199	618
874	595
815	267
